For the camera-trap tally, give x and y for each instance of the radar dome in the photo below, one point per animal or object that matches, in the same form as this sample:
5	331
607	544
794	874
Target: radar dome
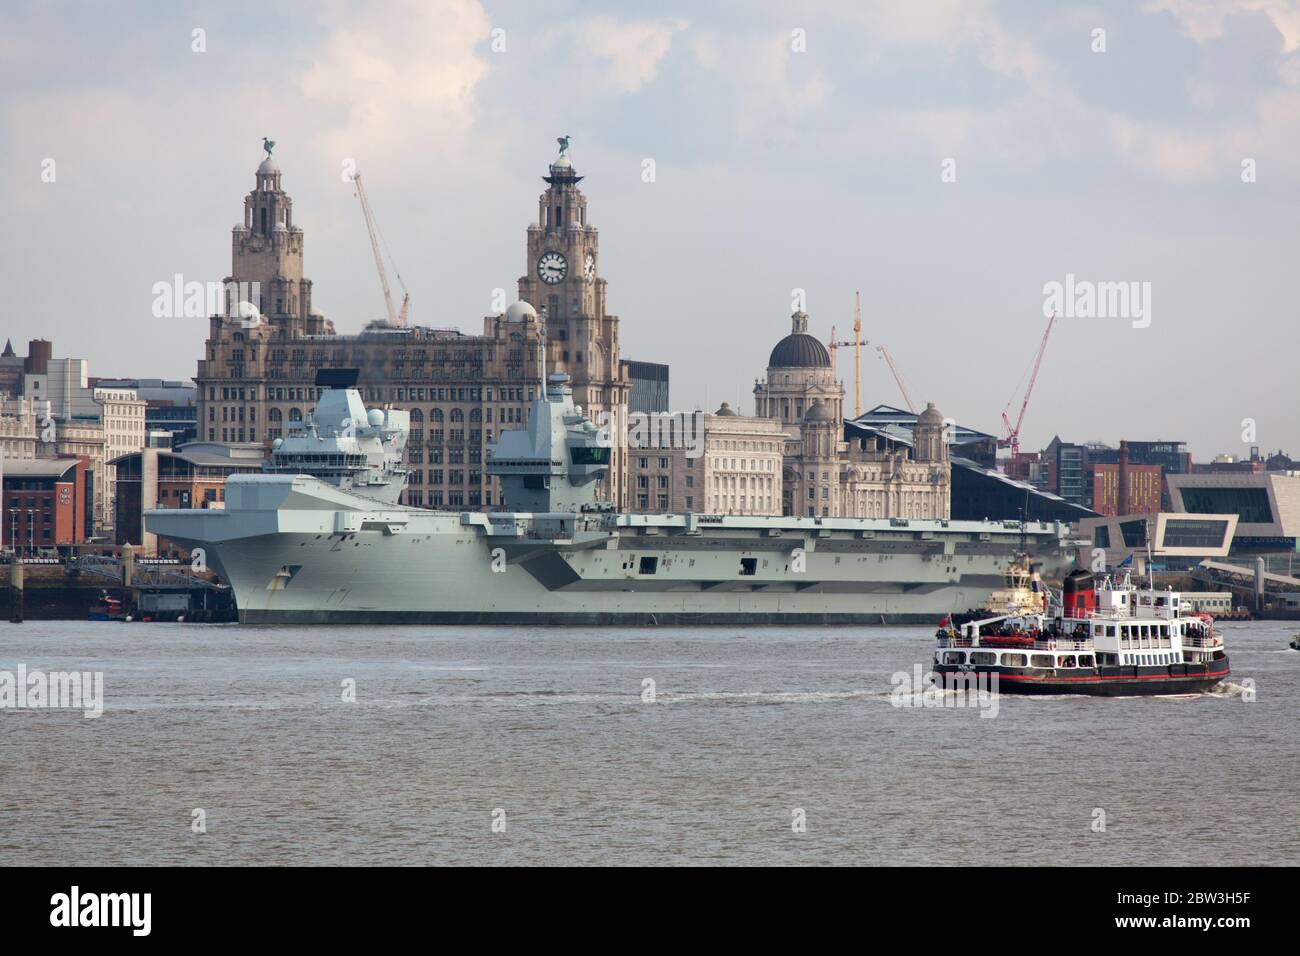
375	417
275	445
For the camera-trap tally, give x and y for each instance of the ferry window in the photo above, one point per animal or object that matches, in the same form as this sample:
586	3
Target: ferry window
1110	630
1067	662
748	565
1014	660
649	565
1040	660
1085	661
983	657
954	657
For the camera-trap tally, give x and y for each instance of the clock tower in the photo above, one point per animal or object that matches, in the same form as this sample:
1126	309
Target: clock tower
563	284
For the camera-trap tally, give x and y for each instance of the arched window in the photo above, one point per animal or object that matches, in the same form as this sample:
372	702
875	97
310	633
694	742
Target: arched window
457	415
295	414
475	415
435	415
275	415
417	416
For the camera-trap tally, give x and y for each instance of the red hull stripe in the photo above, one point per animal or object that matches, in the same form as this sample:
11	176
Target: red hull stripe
1098	677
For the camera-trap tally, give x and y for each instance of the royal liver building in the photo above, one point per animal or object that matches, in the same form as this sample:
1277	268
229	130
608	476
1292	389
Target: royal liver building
258	375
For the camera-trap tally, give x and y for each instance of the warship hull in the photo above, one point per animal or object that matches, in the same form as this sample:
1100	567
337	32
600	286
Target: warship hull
298	551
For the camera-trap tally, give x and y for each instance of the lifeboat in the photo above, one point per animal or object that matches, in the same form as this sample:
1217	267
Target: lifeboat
1008	640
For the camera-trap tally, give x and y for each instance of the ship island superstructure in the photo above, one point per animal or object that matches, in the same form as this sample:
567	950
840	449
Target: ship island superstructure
320	537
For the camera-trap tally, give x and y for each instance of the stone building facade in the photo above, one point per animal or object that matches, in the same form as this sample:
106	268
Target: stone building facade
825	476
732	466
257	375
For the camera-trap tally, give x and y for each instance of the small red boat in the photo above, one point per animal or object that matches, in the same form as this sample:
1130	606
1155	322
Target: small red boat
107	608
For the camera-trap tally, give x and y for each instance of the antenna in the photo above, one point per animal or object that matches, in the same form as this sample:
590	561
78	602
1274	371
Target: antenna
541	352
1151	578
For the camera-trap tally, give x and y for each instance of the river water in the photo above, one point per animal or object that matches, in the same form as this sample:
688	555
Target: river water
543	745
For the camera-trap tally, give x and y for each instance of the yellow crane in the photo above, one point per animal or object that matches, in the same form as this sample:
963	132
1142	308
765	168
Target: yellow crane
856	344
395	319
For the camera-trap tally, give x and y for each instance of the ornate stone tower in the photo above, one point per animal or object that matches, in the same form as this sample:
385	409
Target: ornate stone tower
563	283
267	249
814	476
242	353
799	374
927	436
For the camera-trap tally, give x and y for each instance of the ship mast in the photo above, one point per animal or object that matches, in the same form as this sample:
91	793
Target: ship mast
541	353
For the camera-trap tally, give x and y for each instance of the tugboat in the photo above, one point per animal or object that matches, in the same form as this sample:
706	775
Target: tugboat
1111	639
107	608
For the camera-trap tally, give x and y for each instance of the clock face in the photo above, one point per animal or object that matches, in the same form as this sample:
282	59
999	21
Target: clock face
552	267
589	267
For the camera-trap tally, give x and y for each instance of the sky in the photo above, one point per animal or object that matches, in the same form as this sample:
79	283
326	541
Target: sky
950	160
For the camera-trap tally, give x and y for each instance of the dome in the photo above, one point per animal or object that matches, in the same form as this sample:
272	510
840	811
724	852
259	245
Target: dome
562	163
268	166
519	311
931	416
375	417
799	350
725	409
819	411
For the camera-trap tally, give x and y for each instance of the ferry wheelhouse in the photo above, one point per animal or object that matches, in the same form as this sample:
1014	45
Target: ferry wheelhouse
1109	639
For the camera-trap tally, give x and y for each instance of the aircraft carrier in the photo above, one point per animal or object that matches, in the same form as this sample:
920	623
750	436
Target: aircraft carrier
320	537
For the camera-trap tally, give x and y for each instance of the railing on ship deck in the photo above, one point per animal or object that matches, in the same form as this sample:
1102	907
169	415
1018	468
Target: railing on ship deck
1046	644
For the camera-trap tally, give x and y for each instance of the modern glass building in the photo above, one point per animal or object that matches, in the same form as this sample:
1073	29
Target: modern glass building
1266	505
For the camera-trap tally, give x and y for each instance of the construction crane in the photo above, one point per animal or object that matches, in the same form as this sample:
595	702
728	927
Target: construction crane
1012	440
907	399
856	344
395	319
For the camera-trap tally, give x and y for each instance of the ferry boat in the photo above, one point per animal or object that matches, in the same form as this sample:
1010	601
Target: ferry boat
1108	639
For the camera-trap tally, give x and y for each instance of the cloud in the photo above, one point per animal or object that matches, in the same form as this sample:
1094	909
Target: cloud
1174	155
631	50
398	81
949	25
1204	20
769	83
